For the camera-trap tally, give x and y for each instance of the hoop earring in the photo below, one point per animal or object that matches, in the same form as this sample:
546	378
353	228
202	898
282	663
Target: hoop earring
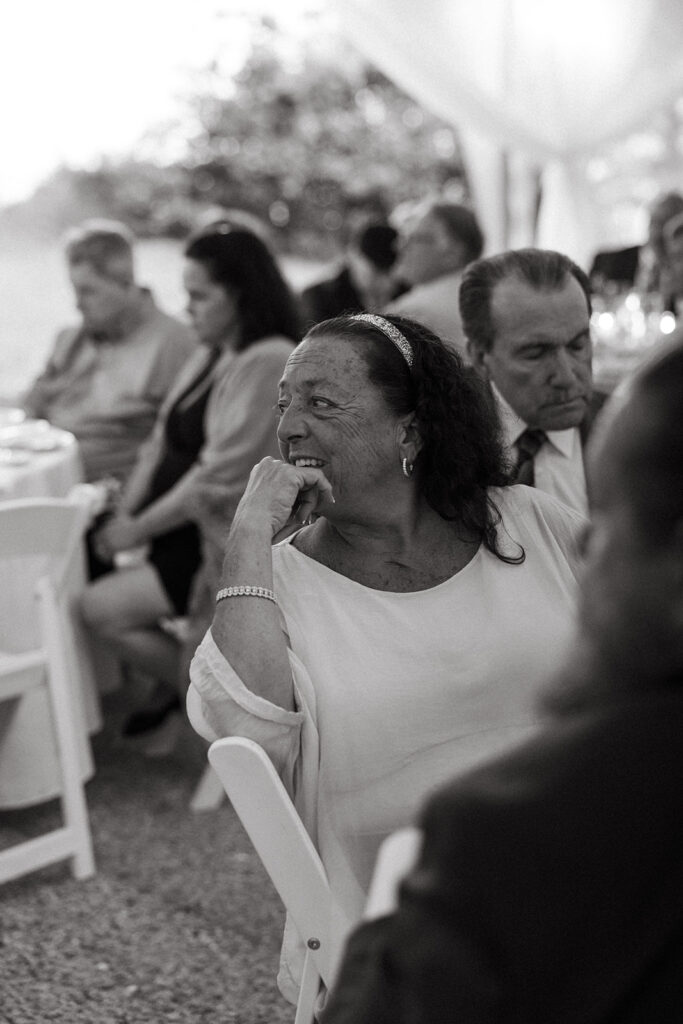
407	468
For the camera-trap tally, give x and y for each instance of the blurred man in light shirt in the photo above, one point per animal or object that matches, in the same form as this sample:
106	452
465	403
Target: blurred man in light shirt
107	376
437	245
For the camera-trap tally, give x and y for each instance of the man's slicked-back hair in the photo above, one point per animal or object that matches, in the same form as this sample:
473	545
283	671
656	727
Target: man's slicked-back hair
541	269
462	225
104	245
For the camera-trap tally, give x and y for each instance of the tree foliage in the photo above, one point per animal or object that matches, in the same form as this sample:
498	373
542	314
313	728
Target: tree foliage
306	136
310	141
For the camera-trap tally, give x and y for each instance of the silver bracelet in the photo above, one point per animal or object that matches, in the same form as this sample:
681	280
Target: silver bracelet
245	592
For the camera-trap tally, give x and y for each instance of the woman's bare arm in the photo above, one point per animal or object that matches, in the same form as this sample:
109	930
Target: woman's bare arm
247	630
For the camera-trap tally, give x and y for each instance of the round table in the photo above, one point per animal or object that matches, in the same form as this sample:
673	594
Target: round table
36	459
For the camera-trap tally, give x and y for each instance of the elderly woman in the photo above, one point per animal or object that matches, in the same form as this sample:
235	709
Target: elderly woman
401	634
216	423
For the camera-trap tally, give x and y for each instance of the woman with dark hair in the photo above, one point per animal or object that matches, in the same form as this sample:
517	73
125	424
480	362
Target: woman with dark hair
216	422
399	636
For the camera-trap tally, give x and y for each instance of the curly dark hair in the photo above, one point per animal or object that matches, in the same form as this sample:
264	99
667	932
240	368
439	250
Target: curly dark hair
462	452
237	258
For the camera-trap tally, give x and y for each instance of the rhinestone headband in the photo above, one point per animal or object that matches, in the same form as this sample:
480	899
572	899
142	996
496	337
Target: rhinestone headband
389	331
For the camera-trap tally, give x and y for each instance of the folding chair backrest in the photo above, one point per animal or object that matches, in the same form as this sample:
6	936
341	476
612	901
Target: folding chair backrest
40	536
281	841
36	650
51	526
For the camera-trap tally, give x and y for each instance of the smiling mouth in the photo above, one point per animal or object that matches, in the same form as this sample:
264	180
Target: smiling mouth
302	461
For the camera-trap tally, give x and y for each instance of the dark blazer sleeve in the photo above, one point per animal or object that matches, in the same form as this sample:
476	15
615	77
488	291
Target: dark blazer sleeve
598	399
415	967
428	962
548	886
364	991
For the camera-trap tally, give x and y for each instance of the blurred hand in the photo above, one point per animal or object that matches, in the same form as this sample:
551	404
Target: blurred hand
120	533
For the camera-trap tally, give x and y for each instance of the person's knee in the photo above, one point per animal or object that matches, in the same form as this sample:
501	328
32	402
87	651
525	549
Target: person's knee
98	613
122	601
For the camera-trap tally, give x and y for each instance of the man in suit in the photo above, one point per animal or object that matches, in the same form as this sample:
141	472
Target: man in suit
639	265
549	886
437	245
671	277
363	284
526	314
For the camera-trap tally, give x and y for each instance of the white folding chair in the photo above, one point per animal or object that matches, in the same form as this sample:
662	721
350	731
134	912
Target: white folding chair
286	851
208	793
42	537
395	857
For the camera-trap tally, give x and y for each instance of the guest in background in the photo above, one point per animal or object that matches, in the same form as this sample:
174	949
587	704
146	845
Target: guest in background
653	256
217	421
638	266
437	244
107	378
400	636
526	314
364	283
549	883
671	276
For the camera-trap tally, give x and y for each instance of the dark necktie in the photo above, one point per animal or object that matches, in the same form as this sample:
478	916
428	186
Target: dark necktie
528	444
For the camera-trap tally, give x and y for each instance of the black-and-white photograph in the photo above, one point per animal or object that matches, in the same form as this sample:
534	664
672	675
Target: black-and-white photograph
341	512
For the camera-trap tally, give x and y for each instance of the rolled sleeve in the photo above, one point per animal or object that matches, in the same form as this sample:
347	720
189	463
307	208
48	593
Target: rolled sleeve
219	704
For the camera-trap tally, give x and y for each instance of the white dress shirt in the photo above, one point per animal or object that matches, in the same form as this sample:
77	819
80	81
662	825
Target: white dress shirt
558	464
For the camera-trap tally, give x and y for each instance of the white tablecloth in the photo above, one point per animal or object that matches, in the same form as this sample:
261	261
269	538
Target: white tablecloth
28	758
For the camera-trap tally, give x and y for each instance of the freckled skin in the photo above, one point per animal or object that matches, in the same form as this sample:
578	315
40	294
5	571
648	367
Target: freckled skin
379	531
330	411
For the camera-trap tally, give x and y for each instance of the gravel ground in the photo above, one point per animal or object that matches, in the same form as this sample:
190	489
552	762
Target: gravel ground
179	924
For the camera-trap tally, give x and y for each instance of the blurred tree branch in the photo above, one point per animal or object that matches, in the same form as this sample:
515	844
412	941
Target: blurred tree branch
305	135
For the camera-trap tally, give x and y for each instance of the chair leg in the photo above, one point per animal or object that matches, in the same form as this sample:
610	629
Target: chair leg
83	862
209	792
308	993
67	722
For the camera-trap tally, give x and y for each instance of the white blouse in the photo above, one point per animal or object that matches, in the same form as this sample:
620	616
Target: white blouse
398	692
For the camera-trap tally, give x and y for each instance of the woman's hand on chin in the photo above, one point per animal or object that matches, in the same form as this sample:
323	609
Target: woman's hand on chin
283	495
